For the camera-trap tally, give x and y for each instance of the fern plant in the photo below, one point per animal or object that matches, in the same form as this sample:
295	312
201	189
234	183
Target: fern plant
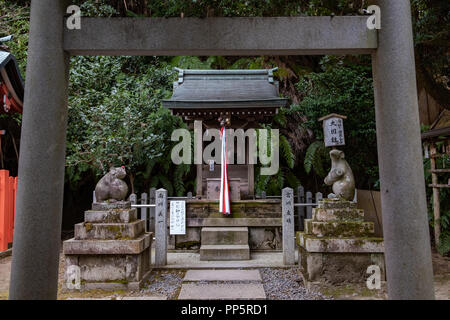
315	157
284	177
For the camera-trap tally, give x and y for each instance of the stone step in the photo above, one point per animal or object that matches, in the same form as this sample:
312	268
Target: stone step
231	291
109	231
342	214
133	246
312	243
111	216
224	235
231	275
339	229
224	252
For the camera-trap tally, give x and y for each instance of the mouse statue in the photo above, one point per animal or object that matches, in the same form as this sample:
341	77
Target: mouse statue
111	187
340	176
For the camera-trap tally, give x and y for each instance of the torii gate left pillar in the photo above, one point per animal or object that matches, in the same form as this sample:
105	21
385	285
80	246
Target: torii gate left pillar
37	234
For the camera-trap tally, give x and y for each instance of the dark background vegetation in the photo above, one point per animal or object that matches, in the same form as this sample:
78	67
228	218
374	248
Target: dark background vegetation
116	118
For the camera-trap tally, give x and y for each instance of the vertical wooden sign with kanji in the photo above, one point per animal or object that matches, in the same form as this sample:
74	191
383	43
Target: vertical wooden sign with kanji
333	130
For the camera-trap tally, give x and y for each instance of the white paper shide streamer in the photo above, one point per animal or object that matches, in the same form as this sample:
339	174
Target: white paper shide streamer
224	202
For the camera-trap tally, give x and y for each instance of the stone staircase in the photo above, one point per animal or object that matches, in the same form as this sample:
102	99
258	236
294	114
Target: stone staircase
224	243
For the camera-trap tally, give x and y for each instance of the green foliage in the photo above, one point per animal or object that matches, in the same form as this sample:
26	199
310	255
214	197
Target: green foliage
316	156
342	87
286	152
116	118
97	9
272	185
431	22
14	21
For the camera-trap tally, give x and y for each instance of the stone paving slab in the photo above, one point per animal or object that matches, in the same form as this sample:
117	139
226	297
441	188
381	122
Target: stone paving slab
222	275
235	291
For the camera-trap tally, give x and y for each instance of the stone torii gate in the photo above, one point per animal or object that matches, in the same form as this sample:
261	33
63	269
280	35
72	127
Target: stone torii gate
34	273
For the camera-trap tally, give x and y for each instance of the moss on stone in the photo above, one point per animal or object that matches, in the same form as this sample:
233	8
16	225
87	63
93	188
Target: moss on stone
88	226
345	229
117	230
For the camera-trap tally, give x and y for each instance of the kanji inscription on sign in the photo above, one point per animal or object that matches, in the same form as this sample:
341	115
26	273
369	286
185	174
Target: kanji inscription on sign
177	217
333	131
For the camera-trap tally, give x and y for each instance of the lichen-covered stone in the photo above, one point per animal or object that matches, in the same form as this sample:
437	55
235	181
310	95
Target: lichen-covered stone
336	204
341	229
109	231
239	209
104	206
333	244
341	214
338	268
111	216
337	245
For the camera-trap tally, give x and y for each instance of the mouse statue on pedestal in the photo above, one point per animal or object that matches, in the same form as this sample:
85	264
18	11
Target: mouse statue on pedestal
340	176
111	188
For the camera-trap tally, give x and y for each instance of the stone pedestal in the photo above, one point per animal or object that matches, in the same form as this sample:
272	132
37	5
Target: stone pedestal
110	248
338	246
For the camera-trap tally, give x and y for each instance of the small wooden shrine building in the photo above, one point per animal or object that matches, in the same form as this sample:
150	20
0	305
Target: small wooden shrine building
245	98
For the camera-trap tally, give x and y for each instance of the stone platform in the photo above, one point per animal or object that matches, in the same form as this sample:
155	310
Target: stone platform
111	249
262	217
337	245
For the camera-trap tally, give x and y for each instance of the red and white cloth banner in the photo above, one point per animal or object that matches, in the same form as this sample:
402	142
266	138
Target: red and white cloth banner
224	203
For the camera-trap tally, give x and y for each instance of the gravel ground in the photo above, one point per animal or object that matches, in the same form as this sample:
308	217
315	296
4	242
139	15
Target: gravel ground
165	282
286	284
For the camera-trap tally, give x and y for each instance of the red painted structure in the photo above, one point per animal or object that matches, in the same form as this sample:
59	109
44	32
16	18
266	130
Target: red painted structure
8	190
11	84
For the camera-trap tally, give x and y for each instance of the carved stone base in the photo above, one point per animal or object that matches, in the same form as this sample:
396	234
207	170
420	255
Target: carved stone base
110	250
338	245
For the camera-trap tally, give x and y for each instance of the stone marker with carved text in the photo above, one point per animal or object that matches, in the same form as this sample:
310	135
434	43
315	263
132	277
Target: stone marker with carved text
288	226
161	228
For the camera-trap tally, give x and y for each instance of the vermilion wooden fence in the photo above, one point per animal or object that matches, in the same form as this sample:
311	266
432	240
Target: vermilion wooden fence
8	189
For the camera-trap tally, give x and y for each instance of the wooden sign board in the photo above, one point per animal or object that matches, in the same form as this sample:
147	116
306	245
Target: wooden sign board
333	130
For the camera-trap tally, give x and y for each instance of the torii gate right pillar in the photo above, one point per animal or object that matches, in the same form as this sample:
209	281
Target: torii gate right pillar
405	225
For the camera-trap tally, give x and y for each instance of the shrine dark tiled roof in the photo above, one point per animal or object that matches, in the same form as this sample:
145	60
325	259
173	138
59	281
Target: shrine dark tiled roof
225	89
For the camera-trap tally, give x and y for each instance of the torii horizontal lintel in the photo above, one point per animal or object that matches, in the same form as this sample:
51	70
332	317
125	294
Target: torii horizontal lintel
222	36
